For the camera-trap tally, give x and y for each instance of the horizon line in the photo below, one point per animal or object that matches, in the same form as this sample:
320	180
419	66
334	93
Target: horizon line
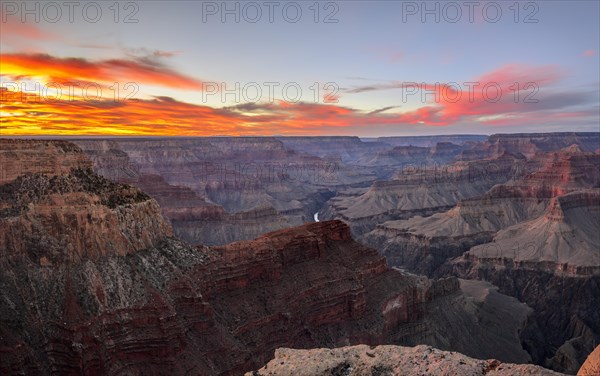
294	136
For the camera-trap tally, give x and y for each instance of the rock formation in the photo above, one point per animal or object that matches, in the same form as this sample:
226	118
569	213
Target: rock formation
365	360
211	311
422	244
528	144
343	148
19	157
279	182
564	240
105	289
553	264
419	191
591	366
248	185
535	237
59	210
429	141
93	282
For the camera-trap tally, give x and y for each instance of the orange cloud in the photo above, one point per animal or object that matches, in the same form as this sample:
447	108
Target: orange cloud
106	71
24	113
28	114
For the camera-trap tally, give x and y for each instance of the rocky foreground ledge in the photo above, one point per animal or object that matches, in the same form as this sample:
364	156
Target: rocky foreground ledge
389	360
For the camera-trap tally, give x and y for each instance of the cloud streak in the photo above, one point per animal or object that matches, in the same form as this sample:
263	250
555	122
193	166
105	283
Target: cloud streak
56	69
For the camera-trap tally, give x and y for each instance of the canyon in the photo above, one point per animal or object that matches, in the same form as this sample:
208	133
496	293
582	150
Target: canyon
535	237
206	255
111	290
218	190
422	243
247	186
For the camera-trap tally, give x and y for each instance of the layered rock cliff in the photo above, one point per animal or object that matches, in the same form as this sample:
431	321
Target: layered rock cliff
19	157
419	191
429	141
535	237
225	310
563	240
553	264
422	244
59	210
247	186
346	149
528	144
400	157
197	220
93	283
283	181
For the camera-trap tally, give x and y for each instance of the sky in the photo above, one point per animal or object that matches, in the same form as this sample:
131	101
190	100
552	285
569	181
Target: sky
364	68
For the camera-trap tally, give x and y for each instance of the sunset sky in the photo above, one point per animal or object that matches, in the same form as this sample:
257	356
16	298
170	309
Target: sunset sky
366	68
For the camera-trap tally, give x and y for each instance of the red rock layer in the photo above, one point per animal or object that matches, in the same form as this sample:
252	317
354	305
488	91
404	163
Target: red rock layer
205	311
93	284
19	157
58	210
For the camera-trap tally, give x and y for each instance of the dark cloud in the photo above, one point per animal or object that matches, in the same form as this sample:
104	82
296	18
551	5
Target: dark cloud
382	110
